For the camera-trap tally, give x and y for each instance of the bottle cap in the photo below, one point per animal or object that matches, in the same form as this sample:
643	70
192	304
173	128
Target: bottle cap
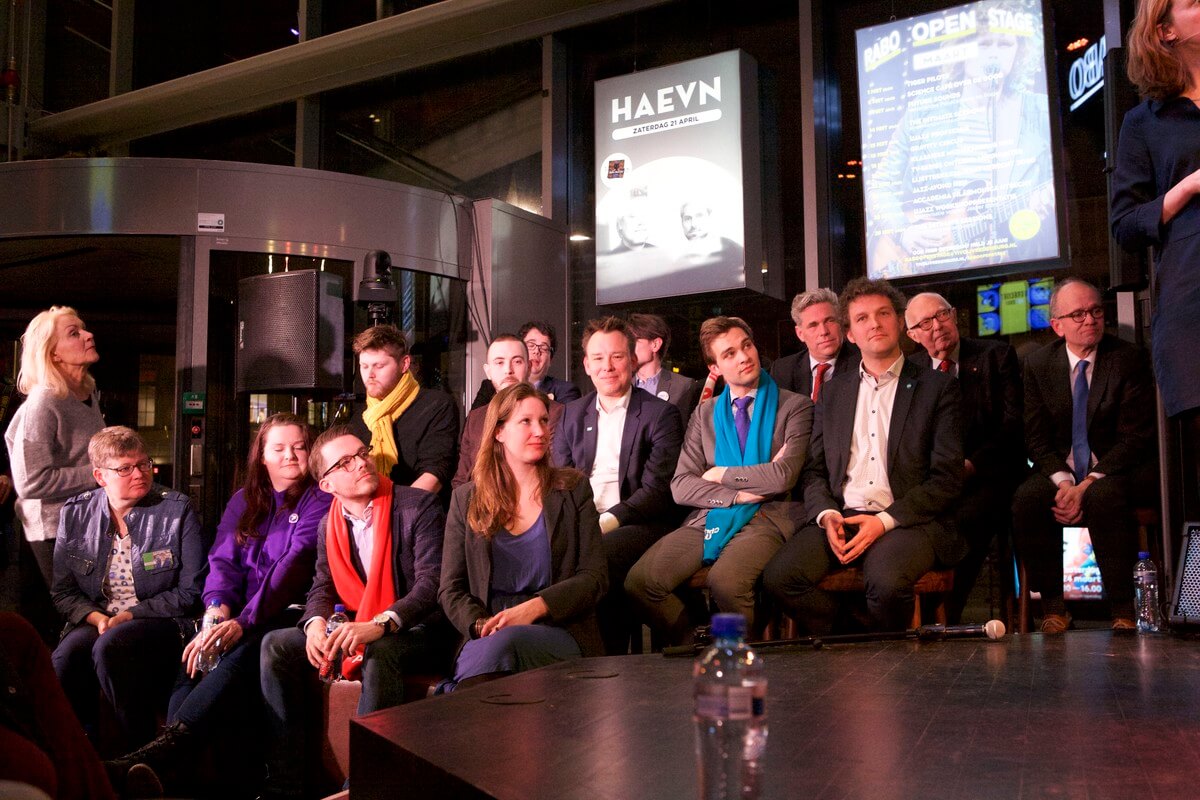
1143	556
339	609
728	626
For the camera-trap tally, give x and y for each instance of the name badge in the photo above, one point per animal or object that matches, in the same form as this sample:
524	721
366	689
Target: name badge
159	559
663	395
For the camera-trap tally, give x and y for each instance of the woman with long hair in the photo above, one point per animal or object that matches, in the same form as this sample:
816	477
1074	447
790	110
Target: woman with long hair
48	436
522	565
1155	184
262	561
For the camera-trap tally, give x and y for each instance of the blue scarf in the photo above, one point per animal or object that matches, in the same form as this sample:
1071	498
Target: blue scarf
721	524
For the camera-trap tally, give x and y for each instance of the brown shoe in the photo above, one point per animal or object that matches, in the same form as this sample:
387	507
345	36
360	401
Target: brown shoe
1123	624
1056	623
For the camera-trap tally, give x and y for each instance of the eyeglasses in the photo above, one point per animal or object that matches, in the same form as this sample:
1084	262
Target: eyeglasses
537	349
347	462
1096	312
125	470
941	316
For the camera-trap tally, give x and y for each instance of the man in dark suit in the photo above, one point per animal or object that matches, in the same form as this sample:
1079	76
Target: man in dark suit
652	338
741	515
994	462
883	473
627	442
542	343
825	352
1089	430
396	629
507	363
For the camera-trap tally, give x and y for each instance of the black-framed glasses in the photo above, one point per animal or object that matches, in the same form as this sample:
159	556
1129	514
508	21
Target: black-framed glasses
941	316
125	470
346	462
1079	315
534	347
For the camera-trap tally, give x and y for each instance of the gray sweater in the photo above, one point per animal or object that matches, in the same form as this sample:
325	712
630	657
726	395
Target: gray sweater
47	442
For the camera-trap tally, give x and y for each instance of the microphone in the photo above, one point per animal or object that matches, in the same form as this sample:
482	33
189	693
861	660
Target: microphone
992	629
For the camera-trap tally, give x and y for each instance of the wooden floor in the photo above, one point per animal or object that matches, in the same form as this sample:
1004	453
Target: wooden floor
1086	715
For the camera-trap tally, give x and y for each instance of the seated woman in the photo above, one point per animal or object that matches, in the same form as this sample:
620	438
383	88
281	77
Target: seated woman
262	561
128	568
522	563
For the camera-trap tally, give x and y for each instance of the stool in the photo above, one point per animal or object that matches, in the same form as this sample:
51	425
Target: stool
937	583
341	704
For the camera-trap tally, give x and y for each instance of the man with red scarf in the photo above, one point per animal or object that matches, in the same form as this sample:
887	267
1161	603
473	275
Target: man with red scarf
379	553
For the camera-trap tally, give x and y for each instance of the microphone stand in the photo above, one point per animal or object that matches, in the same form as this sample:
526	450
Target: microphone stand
925	633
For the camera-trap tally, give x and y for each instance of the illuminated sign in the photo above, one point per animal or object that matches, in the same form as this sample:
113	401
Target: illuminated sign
1086	76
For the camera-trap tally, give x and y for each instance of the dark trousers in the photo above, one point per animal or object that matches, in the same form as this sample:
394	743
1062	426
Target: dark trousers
890	567
132	664
292	694
982	517
622	547
41	742
1108	506
228	694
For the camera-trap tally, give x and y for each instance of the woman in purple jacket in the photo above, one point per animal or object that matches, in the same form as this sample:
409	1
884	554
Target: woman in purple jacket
262	561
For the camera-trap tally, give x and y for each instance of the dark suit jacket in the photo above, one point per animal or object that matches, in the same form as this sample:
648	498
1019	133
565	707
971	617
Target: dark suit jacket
990	379
473	432
650	445
562	391
925	455
682	392
417	526
1120	408
793	373
426	438
578	565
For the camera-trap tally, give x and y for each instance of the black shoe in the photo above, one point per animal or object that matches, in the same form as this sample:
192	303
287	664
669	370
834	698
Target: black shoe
142	782
163	757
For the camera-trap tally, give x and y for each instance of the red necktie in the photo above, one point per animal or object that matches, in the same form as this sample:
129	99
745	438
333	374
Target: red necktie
946	366
818	379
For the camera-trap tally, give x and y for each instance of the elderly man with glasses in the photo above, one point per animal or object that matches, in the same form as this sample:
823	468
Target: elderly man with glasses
379	553
129	566
993	461
1089	431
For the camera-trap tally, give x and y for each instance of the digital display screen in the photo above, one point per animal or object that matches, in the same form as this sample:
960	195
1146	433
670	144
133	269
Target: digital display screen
1013	306
958	172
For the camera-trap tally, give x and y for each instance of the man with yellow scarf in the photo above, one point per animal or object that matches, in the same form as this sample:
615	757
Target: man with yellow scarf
413	432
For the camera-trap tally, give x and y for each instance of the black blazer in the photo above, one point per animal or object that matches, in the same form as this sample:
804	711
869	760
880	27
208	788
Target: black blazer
793	372
650	446
1120	408
578	565
417	525
925	455
992	400
426	437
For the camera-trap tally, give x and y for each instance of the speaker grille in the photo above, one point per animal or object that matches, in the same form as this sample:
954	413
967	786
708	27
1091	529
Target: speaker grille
1186	607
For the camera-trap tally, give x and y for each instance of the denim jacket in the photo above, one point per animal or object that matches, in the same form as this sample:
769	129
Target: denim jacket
169	560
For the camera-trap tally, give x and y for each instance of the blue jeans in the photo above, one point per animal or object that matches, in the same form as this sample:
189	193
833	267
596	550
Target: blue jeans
515	649
230	689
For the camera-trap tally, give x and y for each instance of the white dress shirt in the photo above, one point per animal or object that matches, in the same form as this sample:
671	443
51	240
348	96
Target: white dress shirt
606	468
954	356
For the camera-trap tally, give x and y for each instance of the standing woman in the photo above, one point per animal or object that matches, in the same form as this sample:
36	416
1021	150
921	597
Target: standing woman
522	563
48	437
262	561
1155	184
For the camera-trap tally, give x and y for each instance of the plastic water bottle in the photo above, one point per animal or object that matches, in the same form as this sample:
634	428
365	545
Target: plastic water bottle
210	655
730	689
332	671
1145	594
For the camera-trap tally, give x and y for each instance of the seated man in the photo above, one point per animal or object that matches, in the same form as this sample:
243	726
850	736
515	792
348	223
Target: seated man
379	553
627	442
994	463
1089	430
507	364
413	432
652	337
541	343
883	473
742	453
825	352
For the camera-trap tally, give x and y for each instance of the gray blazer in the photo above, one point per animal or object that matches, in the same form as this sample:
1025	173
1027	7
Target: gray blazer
774	479
682	392
579	567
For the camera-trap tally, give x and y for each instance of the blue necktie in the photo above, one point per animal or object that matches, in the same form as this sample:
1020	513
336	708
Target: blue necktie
1080	452
741	419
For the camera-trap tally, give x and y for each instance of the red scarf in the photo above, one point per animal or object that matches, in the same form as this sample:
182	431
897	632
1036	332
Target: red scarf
379	592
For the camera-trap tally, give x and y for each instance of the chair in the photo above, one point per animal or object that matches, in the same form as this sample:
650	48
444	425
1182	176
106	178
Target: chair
937	583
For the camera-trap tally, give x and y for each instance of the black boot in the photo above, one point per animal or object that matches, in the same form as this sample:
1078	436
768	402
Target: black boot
164	756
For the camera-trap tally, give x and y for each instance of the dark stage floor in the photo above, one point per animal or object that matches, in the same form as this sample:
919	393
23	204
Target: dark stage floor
1086	715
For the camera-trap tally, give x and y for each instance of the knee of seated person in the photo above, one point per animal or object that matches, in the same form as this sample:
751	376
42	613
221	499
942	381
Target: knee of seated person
728	586
888	586
638	583
1104	497
781	578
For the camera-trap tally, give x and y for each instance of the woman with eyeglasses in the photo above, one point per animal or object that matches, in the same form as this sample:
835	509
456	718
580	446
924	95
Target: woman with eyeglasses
128	569
48	436
262	562
522	563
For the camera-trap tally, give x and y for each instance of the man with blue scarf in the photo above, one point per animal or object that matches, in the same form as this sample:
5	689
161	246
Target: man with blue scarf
742	453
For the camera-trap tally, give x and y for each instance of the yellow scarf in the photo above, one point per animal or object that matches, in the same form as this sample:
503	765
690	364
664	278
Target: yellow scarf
381	414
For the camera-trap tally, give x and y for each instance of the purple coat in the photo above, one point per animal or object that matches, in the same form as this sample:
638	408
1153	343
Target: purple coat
271	571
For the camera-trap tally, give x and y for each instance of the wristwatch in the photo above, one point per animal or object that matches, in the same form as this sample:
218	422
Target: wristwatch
384	621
